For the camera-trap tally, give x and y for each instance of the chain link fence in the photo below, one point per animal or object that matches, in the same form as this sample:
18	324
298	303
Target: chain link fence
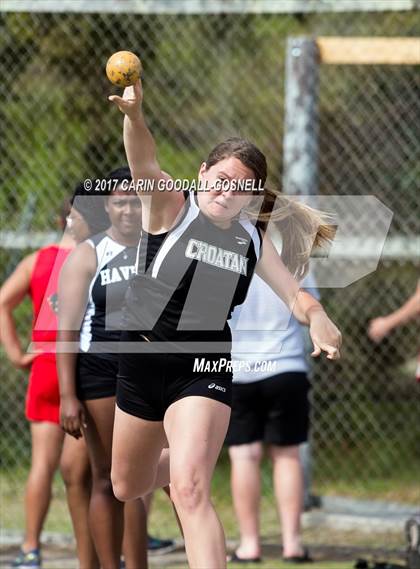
207	77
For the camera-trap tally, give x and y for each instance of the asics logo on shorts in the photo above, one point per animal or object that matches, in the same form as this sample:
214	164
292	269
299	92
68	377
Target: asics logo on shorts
217	387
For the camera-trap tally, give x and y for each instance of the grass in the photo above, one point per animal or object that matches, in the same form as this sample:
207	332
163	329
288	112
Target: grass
163	524
332	549
396	488
327	544
393	489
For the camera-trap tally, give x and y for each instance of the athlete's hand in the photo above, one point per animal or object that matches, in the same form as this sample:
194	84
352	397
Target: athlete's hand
379	328
72	416
23	361
130	102
325	336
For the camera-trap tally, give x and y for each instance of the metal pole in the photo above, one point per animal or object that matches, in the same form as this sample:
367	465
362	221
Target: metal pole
300	155
300	146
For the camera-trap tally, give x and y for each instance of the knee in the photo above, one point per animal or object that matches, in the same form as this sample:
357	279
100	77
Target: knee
121	490
42	470
251	452
75	475
101	483
124	491
290	453
188	494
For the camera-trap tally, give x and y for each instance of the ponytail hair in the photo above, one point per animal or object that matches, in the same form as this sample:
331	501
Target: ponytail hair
303	229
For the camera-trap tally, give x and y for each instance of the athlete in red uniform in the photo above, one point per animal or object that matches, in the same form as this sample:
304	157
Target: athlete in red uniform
37	276
43	401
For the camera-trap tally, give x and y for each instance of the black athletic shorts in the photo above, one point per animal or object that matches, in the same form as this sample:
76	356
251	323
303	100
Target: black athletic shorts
274	410
149	383
96	376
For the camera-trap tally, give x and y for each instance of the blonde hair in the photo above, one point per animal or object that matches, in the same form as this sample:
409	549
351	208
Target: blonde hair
303	229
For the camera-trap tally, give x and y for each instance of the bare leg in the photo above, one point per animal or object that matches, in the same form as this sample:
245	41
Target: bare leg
167	489
288	485
75	469
147	501
106	513
47	441
194	448
136	452
246	494
135	535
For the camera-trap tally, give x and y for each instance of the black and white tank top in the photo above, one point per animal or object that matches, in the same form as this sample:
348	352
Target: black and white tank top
107	290
188	281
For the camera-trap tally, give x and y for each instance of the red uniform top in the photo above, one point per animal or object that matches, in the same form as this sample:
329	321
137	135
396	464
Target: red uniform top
43	291
42	399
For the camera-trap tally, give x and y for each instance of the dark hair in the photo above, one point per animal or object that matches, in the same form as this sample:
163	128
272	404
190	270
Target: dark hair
302	227
64	210
243	150
93	212
120	174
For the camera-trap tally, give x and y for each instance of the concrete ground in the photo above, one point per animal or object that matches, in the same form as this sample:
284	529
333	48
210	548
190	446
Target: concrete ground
63	557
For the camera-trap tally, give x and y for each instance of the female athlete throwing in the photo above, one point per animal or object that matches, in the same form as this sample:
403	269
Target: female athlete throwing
194	264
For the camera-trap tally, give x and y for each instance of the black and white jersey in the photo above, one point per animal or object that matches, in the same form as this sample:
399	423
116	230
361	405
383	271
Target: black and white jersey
188	281
107	290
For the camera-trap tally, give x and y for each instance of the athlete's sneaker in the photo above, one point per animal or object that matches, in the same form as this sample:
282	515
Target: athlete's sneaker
156	546
28	560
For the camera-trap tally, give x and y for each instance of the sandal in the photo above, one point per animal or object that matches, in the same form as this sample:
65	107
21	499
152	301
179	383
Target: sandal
296	559
235	559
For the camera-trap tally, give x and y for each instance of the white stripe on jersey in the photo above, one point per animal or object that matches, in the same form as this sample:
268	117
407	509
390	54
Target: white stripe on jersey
253	232
175	234
136	264
105	251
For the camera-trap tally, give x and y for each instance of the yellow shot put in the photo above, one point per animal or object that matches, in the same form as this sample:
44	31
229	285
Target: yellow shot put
123	68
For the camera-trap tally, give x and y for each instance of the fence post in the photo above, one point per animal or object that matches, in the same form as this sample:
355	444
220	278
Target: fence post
300	145
300	154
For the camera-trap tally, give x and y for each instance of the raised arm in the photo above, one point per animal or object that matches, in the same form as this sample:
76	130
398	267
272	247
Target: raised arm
12	294
75	277
142	159
324	334
139	143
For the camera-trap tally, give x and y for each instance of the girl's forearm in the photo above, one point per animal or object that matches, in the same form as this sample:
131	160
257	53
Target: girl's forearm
407	312
9	337
305	307
66	364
